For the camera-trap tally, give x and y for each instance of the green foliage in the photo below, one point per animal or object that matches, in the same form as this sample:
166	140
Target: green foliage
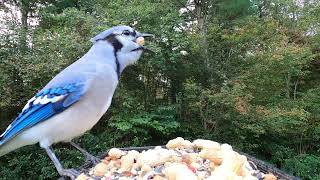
304	165
24	165
247	74
147	128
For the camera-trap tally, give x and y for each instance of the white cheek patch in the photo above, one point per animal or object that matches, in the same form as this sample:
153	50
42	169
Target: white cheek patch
127	44
127	59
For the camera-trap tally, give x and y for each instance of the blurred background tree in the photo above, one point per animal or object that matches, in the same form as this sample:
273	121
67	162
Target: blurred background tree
243	72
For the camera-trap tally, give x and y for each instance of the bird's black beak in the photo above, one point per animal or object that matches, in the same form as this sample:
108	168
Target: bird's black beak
140	40
145	35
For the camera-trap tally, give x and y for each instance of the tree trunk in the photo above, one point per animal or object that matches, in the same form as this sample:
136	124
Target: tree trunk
295	90
201	9
24	29
288	85
261	7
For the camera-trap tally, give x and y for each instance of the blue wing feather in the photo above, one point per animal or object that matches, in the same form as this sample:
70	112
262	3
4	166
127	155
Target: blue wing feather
41	114
37	112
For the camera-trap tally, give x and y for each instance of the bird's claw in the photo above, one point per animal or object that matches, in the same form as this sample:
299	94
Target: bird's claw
93	159
71	173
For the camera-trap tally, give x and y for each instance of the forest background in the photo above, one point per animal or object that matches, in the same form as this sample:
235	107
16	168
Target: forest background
242	72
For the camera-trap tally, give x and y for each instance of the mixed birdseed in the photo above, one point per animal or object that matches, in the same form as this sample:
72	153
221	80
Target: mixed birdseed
180	160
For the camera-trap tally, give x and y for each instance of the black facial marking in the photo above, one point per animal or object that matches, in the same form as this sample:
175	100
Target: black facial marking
134	33
117	46
117	64
114	41
126	32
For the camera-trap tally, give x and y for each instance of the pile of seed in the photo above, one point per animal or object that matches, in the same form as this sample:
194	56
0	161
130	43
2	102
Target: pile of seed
180	160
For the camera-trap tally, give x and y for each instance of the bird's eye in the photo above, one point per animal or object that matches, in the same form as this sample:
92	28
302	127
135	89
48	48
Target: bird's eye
126	32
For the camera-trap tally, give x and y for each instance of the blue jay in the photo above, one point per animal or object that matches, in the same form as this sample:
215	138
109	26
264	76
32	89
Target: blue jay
75	99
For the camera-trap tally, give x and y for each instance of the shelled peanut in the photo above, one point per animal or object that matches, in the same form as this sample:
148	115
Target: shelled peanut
180	160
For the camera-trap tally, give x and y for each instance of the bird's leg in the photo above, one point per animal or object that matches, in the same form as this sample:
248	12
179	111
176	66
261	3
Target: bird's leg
89	157
72	173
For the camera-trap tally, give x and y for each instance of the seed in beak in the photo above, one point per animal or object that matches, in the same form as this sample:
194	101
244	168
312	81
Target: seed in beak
140	41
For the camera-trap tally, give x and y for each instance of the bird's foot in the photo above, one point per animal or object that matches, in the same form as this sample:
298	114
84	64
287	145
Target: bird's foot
89	157
92	158
71	173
